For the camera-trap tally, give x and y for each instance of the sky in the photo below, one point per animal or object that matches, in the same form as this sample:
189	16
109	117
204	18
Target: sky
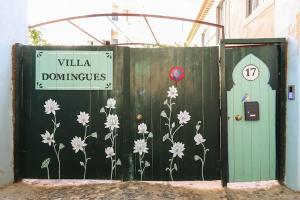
167	31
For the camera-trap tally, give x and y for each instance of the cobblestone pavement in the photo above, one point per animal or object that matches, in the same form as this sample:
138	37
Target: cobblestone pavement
139	191
273	192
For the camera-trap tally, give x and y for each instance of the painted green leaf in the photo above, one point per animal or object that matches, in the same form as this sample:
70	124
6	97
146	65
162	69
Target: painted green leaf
147	164
107	136
118	162
150	135
45	163
102	110
165	137
163	114
173	124
175	167
61	146
196	157
94	135
81	163
166	102
57	125
197	127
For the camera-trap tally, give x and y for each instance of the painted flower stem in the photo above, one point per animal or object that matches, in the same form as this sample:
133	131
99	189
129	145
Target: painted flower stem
113	158
84	152
79	144
200	140
85	163
51	107
54	145
171	168
112	123
140	147
177	130
142	168
113	166
142	171
48	173
203	160
169	118
57	157
171	136
177	147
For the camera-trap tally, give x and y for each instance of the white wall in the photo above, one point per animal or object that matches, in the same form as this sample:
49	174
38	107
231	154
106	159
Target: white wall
13	28
287	24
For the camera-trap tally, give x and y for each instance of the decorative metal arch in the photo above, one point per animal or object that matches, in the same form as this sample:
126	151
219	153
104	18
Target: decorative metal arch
145	16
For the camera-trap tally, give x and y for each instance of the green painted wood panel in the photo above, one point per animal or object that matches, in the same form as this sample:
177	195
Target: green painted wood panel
251	144
198	93
140	84
34	121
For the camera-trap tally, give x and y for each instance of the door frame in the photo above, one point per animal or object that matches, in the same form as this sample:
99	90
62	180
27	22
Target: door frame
280	102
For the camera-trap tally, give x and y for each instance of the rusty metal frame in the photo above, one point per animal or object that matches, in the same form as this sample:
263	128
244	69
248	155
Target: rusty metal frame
136	43
145	16
81	29
151	30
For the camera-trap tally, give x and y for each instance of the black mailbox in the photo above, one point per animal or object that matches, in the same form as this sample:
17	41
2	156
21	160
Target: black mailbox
251	111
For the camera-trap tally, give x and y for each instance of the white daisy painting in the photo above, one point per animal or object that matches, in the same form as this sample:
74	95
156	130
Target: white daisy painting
112	124
177	148
140	147
48	138
199	140
79	144
51	106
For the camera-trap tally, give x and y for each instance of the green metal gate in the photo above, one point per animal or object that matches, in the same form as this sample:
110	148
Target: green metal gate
142	125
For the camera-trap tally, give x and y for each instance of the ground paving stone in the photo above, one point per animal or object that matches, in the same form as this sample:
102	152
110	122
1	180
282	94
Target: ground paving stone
139	191
278	192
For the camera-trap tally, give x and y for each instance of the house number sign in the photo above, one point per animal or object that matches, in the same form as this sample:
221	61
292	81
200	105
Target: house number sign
73	70
250	72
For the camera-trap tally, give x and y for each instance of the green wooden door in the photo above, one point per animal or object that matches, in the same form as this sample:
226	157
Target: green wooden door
198	94
251	143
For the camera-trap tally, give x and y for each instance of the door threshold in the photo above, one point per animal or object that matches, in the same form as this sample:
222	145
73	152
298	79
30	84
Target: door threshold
203	185
66	182
254	184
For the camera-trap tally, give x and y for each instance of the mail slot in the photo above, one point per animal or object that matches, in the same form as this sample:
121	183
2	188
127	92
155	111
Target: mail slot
251	111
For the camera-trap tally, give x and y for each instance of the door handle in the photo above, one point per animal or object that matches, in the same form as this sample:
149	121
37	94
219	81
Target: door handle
238	117
139	117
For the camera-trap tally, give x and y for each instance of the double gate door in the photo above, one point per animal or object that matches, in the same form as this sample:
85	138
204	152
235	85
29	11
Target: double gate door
143	126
